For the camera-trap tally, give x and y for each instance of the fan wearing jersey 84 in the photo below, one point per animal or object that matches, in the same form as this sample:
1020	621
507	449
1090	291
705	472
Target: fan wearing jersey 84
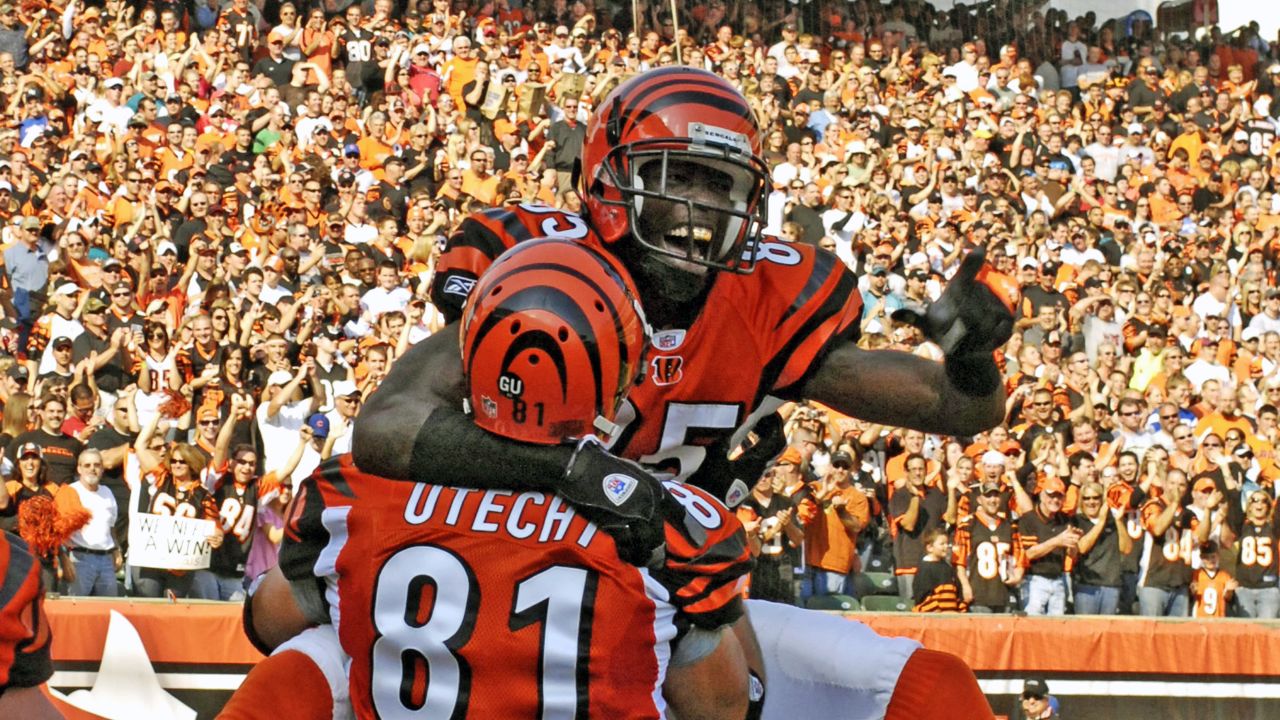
449	602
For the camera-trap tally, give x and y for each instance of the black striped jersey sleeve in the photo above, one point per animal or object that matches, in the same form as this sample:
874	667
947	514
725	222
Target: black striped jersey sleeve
24	629
707	559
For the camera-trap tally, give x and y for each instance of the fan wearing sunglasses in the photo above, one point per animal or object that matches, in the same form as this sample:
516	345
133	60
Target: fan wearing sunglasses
1105	540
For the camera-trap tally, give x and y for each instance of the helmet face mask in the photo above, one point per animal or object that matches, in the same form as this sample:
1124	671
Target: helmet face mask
669	212
671	165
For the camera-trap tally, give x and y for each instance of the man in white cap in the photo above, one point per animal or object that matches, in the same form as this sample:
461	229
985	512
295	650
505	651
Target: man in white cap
59	322
346	404
283	411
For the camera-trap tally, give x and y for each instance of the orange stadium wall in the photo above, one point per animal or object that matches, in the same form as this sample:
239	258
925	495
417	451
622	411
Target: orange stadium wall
1124	668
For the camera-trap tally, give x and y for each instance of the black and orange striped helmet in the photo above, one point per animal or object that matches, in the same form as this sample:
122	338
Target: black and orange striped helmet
553	337
676	114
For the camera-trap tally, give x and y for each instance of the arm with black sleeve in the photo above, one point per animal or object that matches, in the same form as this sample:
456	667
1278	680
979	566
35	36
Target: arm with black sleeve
450	448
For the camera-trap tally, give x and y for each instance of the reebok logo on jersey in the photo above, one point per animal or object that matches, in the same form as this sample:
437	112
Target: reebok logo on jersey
459	286
667	369
618	487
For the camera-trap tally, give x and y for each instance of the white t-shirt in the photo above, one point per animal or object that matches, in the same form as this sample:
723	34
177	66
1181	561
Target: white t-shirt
378	301
280	432
101	504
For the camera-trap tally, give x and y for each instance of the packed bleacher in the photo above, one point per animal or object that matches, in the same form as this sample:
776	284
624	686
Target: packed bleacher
220	224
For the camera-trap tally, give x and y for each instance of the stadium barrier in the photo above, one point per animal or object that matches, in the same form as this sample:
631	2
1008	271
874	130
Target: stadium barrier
1098	667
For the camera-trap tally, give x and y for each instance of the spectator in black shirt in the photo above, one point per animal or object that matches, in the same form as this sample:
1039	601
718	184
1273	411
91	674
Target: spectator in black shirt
772	532
1103	543
1048	538
58	450
916	508
275	65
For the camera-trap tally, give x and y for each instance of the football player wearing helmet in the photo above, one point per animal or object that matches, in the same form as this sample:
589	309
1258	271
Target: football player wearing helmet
672	184
24	634
496	604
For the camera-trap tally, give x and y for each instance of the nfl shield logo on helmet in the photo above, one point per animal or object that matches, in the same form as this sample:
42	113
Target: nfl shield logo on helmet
489	406
618	487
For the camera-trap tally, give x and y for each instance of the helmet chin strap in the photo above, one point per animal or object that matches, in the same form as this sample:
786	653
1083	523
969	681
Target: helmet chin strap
606	426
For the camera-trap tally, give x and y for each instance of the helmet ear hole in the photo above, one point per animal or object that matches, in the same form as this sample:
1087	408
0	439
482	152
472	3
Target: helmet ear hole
599	306
563	334
515	328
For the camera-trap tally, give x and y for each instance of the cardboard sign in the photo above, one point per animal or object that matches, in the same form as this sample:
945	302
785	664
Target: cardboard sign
168	542
533	97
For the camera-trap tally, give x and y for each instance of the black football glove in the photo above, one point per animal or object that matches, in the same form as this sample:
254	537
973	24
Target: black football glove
621	498
969	321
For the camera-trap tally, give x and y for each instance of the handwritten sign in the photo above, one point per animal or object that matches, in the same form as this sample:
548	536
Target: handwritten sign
168	542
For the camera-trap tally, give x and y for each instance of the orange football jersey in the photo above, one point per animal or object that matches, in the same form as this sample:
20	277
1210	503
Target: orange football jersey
1211	593
758	334
494	604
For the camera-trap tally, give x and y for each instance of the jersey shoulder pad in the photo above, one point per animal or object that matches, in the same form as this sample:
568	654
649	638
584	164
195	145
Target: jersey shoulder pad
707	559
482	236
332	485
805	300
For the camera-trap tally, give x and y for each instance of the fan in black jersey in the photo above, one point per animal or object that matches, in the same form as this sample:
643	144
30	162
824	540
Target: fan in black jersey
988	554
1258	594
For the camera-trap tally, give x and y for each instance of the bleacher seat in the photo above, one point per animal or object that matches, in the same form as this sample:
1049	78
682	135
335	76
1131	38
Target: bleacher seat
832	602
884	603
875	583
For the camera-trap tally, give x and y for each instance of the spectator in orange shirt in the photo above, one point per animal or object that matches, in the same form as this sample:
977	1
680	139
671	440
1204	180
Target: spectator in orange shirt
831	536
479	181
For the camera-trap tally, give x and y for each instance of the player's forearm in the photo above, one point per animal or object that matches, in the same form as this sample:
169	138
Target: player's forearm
450	447
925	398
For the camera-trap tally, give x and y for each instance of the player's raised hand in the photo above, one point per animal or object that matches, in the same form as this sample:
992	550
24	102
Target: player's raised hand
973	317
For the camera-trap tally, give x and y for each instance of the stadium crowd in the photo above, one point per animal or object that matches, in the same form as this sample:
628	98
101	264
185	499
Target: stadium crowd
220	222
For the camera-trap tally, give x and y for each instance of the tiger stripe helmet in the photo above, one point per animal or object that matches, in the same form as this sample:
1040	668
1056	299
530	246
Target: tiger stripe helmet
685	114
553	337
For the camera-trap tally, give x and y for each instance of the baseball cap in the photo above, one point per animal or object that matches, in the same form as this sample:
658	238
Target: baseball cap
319	424
333	332
1250	334
1051	484
30	449
345	388
279	377
351	150
67	289
1240	135
207	412
993	457
841	459
166	247
912	124
989	487
1035	687
61	341
30	222
19	373
879	270
113	83
94	305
